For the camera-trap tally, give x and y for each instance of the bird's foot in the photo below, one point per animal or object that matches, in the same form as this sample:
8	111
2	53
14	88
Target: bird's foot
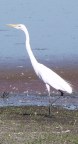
61	92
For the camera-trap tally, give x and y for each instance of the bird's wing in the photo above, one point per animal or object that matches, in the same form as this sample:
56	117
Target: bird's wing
53	79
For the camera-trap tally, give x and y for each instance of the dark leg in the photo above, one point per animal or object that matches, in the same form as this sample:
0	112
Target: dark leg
61	92
49	106
48	89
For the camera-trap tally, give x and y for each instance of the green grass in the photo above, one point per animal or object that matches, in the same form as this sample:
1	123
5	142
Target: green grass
32	125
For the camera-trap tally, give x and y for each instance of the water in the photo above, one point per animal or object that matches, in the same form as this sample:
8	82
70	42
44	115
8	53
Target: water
67	102
53	28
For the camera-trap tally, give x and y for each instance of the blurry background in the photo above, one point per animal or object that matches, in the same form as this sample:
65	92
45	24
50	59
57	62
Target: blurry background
53	29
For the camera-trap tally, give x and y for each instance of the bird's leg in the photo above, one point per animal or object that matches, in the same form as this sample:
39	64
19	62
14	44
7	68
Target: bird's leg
61	92
48	89
49	105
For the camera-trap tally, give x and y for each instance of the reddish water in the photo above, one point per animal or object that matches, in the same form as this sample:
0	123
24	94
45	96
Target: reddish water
25	88
21	80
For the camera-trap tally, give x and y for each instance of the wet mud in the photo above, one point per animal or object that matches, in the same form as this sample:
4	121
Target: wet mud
20	80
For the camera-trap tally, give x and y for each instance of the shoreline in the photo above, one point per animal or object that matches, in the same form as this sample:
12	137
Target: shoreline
23	78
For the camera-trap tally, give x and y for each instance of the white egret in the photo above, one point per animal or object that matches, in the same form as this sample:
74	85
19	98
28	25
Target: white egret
49	77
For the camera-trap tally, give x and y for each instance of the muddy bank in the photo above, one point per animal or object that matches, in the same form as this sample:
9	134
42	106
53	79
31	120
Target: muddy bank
20	79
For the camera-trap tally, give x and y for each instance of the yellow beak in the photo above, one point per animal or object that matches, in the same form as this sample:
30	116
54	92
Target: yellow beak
12	25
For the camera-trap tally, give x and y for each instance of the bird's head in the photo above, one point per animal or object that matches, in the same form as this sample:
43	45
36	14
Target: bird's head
17	26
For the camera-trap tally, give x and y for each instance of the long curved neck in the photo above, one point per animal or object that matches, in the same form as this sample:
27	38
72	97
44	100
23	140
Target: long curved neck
30	53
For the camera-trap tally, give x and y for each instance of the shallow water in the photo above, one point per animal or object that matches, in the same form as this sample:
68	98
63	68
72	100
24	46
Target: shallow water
24	88
53	29
68	102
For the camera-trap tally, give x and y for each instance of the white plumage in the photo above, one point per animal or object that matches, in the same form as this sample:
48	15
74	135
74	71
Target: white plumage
52	79
49	77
